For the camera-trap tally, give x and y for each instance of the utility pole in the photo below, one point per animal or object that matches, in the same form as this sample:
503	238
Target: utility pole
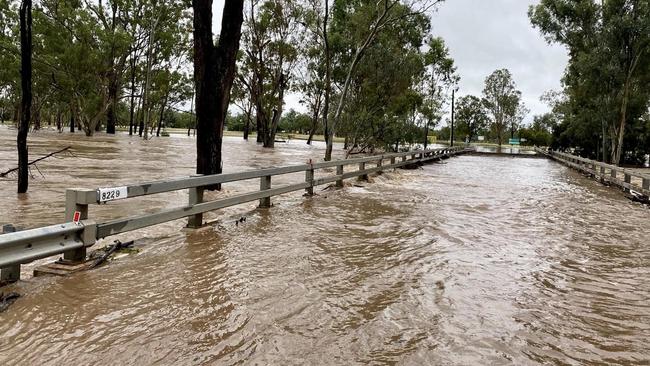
453	100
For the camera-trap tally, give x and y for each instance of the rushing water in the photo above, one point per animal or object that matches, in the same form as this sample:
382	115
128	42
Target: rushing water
480	260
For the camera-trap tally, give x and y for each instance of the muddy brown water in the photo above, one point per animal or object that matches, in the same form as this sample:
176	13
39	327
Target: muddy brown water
480	260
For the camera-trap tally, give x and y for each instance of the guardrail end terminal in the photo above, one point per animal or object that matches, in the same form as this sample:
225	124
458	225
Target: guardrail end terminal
9	274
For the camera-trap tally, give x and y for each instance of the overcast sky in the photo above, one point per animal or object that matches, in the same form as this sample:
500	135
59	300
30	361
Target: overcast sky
485	35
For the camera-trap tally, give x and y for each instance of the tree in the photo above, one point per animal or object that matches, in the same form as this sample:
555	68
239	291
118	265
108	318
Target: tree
242	97
501	98
26	100
515	119
312	81
385	91
471	116
438	78
539	133
374	17
214	73
608	71
271	51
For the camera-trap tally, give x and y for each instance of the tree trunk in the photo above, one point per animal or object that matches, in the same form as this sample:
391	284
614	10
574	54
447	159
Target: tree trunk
426	134
113	84
314	126
71	121
214	73
26	100
131	120
604	141
247	126
258	126
314	119
59	126
36	118
162	114
617	141
147	83
111	114
277	112
328	83
141	113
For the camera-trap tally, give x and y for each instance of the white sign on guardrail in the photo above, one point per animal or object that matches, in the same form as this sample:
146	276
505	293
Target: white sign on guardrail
111	194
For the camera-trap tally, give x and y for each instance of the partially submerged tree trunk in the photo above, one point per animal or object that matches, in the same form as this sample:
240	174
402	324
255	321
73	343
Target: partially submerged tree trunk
131	120
114	76
147	84
162	114
214	73
328	80
111	115
259	126
71	121
426	134
314	117
59	126
192	118
247	126
26	99
617	140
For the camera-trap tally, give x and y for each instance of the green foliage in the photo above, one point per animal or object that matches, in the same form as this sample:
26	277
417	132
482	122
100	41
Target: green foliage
271	40
295	122
471	117
605	94
398	87
503	101
80	57
539	133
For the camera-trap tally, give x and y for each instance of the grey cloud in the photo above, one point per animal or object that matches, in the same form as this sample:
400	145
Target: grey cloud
487	35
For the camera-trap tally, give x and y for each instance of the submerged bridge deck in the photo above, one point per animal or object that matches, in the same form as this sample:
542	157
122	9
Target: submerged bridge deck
79	232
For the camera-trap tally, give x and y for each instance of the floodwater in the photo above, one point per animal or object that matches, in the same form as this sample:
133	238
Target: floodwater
477	261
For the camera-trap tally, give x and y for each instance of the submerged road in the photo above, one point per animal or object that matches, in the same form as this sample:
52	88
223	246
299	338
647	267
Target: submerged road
480	260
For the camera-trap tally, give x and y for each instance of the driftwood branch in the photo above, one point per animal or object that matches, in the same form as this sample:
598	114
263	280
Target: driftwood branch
7	300
4	174
111	249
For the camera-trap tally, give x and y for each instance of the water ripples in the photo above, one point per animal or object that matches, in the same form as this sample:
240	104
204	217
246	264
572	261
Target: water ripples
476	261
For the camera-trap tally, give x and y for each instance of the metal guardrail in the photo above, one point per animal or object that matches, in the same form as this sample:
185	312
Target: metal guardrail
606	173
73	237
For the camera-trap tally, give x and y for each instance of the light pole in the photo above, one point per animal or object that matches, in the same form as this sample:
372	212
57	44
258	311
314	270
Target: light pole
453	100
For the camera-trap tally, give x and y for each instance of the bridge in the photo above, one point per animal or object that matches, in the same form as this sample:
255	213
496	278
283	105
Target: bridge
79	231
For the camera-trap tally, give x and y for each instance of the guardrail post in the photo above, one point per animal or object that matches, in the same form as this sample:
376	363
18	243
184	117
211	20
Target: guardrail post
602	173
196	197
265	184
645	184
392	160
11	273
380	163
309	178
628	180
403	158
74	203
362	166
612	173
339	171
